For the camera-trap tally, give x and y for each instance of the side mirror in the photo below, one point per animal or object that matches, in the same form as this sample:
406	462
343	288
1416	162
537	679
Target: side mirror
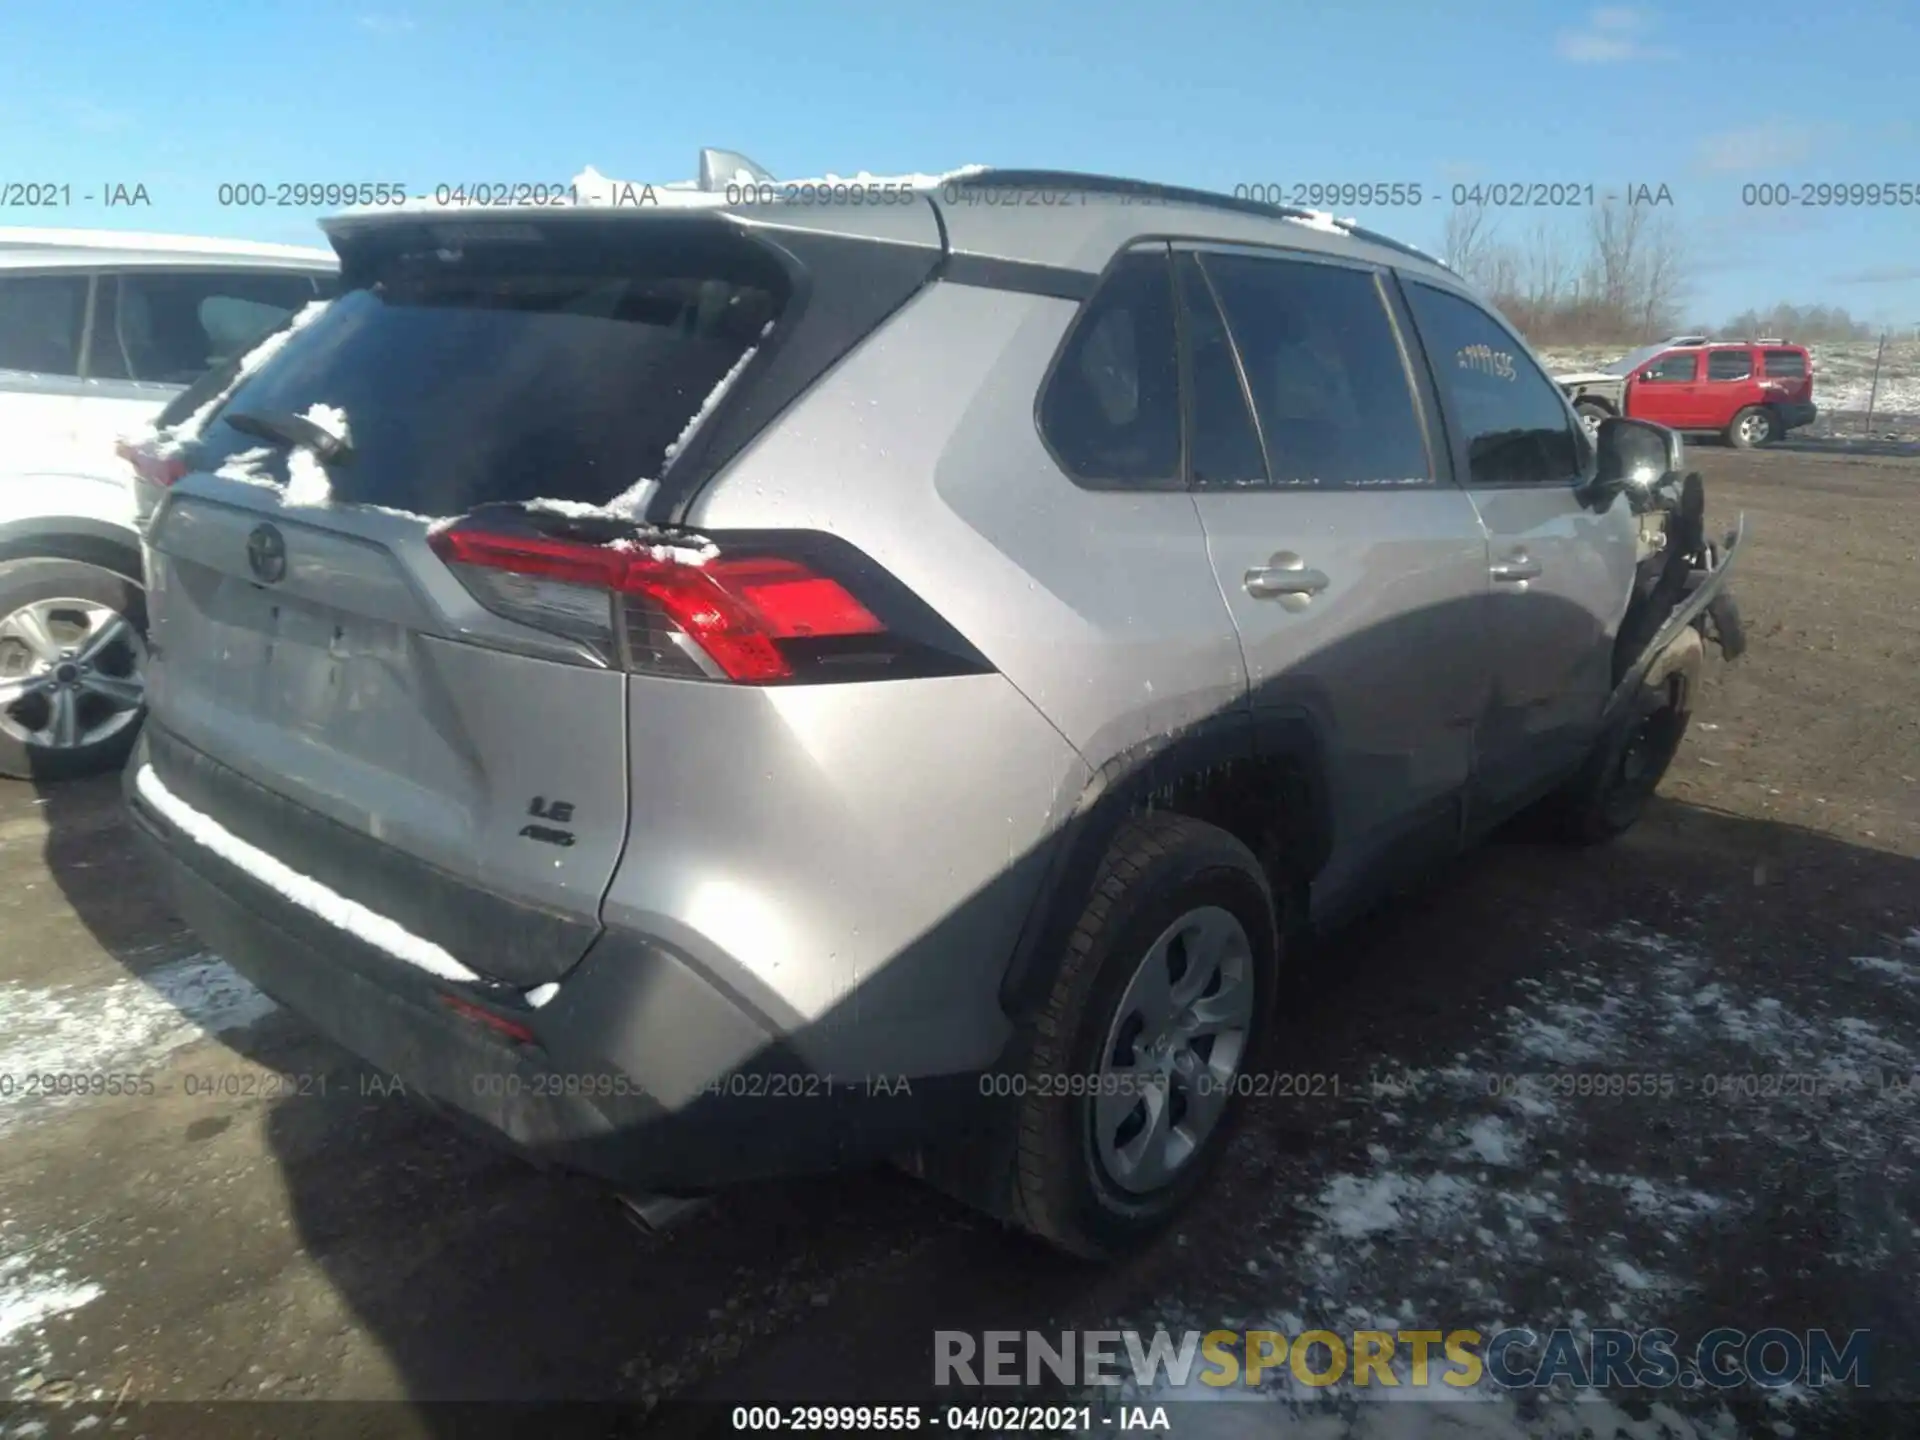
1631	457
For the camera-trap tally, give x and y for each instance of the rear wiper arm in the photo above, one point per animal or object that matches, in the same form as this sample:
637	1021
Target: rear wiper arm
291	430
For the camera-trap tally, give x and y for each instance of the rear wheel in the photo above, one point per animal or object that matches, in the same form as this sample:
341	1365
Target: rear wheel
1157	1016
72	657
1752	427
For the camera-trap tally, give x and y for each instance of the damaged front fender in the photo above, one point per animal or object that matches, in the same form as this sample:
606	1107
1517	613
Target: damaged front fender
1703	597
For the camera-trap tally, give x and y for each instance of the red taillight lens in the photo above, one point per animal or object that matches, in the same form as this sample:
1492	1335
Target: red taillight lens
737	611
157	469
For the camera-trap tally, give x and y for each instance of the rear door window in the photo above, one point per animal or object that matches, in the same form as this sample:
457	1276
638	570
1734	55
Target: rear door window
1513	420
1786	364
1729	365
505	372
1111	410
1224	445
1328	377
40	320
171	327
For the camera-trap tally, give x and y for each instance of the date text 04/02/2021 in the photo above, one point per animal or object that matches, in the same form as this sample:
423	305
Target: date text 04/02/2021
959	1419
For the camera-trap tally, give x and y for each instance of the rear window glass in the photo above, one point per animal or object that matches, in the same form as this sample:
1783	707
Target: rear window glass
1790	364
517	371
1729	364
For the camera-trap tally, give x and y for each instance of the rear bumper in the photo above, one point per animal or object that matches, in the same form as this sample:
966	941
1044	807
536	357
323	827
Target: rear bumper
642	1073
1798	414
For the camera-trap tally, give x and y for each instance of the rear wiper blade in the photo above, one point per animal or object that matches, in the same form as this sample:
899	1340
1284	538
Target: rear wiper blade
291	430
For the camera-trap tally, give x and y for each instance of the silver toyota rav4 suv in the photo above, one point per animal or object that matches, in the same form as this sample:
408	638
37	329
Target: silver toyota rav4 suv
714	691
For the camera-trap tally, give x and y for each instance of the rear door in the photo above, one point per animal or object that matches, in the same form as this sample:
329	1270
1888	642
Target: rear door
1730	385
330	689
1559	574
42	320
1353	571
1666	390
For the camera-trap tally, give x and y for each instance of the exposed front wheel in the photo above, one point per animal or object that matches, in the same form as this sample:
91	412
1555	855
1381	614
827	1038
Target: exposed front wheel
1612	791
72	657
1156	1019
1591	414
1752	427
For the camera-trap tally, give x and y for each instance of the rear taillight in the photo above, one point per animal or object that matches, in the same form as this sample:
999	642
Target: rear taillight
757	611
150	465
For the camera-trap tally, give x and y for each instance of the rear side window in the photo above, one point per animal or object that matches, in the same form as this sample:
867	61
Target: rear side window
1328	378
1111	411
511	371
1513	421
170	328
1786	364
40	320
1729	364
1671	368
1223	448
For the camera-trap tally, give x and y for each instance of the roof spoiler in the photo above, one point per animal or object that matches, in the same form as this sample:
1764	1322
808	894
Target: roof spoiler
721	168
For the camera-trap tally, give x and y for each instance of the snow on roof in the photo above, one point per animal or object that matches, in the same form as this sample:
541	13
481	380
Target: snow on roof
1322	220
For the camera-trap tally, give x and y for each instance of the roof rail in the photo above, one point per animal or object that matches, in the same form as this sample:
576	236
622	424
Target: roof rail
1149	190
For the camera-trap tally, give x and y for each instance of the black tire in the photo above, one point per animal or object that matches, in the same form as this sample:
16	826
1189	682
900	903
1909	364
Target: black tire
22	582
1611	791
1158	869
1591	410
1753	426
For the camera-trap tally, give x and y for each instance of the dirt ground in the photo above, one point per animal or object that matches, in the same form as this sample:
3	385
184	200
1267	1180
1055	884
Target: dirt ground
254	1219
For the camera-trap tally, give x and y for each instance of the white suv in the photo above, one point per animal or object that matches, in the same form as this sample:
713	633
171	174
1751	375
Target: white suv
98	331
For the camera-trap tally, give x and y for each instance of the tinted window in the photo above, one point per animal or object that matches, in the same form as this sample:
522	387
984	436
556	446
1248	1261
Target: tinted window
1513	421
1729	364
1112	409
171	328
1673	367
1224	446
1788	364
40	319
506	373
1329	383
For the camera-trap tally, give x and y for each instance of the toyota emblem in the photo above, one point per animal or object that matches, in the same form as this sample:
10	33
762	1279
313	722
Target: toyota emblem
266	554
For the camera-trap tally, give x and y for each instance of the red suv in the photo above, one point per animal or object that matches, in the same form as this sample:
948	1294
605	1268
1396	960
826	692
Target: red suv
1751	391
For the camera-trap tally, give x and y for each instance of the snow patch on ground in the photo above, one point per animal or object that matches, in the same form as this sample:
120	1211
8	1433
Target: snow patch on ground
29	1298
1464	1196
121	1028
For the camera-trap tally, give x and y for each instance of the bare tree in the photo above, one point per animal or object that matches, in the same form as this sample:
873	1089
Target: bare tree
1465	241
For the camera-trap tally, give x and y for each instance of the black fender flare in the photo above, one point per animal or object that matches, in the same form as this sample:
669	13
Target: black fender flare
1125	784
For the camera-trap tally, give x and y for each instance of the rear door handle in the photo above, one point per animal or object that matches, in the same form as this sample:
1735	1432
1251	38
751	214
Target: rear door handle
1283	576
1518	568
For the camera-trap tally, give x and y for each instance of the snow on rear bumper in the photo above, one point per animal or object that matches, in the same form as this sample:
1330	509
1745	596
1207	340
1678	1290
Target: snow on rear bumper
640	1072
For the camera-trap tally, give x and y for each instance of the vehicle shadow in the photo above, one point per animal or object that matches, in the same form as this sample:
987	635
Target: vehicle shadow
482	1278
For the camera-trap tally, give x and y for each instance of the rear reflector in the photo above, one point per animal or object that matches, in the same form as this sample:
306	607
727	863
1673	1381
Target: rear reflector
150	465
480	1015
685	610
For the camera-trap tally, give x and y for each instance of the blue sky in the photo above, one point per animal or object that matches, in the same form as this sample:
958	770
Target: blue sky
1704	98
